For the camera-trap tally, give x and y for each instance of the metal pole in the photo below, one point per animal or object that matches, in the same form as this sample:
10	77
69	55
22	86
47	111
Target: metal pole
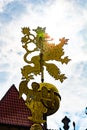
41	67
42	77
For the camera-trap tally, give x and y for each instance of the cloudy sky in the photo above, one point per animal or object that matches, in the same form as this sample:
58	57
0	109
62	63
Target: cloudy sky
62	18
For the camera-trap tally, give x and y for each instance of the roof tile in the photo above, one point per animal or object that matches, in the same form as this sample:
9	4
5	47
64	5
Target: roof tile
13	110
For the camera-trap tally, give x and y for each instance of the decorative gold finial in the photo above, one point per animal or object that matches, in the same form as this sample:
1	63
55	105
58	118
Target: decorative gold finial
47	51
42	95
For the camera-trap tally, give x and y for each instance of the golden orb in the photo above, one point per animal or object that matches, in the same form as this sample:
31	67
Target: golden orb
54	103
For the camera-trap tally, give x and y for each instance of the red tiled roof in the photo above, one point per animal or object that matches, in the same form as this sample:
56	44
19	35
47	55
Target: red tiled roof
13	110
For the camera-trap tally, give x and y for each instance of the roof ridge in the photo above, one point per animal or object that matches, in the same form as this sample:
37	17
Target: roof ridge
11	88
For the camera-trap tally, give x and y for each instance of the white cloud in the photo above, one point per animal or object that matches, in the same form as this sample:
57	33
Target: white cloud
3	3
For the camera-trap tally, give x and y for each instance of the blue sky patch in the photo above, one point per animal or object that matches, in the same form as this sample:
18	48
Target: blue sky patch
83	32
11	11
4	65
81	68
4	76
81	3
4	17
37	1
